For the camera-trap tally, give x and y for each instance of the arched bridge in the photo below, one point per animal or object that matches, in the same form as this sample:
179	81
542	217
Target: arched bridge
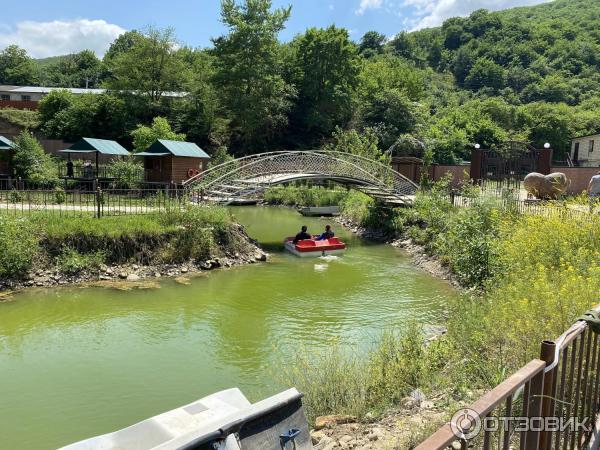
246	178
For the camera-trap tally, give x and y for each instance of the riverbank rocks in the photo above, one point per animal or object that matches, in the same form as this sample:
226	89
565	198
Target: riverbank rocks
133	277
546	187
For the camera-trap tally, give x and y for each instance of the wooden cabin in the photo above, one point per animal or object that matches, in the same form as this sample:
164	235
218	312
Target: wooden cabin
6	149
173	161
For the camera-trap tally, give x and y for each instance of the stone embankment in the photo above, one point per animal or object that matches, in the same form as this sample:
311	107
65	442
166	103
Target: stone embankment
130	272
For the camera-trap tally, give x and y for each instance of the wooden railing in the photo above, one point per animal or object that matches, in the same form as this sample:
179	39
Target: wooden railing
551	403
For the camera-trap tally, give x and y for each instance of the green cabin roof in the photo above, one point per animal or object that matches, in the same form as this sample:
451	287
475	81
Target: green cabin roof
103	146
6	144
163	147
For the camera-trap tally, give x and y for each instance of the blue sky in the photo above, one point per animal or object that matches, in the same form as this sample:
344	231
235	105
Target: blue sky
63	26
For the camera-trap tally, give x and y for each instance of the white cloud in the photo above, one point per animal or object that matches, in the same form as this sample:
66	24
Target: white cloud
367	4
432	13
43	39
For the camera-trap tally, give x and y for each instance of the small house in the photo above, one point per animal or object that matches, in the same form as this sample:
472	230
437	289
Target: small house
6	149
585	151
173	161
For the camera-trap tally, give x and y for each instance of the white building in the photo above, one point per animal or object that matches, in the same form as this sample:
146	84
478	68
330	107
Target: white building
585	151
35	94
27	97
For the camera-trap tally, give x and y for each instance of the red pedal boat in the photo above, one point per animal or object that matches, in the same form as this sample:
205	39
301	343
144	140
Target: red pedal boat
312	248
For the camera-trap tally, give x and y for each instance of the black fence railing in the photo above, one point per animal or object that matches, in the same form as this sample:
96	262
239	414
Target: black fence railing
92	200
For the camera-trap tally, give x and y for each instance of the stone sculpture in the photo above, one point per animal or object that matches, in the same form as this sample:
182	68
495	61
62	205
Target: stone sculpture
546	187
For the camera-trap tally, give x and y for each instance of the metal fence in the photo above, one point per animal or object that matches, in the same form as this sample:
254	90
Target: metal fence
551	403
91	199
536	207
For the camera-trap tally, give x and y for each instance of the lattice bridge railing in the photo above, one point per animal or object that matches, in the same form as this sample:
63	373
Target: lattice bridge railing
248	176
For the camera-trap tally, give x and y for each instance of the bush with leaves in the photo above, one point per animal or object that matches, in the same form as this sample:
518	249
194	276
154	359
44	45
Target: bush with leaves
144	136
31	163
220	156
72	262
363	144
128	173
19	245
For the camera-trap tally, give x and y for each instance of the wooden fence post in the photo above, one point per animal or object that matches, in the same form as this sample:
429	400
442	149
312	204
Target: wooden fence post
548	354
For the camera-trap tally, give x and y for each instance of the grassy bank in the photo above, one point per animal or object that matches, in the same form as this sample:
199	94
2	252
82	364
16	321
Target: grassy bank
45	241
530	278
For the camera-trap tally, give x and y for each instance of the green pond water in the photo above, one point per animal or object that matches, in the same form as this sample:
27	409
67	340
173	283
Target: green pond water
77	362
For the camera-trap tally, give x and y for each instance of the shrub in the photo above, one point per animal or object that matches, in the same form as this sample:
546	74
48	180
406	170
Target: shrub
15	196
72	262
19	245
468	242
59	195
31	163
127	173
144	136
356	206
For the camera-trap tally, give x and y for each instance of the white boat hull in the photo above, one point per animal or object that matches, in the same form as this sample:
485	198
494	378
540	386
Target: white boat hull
224	421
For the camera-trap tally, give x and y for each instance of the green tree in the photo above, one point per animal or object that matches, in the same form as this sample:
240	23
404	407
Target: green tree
220	156
404	45
198	113
151	66
371	43
79	70
31	163
485	73
127	172
550	123
122	44
351	141
328	67
144	136
70	117
248	72
16	67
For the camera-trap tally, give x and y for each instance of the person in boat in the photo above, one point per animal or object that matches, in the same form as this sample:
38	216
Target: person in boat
302	235
327	235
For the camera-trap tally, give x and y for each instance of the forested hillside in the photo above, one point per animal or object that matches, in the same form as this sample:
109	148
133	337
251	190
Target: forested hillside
527	73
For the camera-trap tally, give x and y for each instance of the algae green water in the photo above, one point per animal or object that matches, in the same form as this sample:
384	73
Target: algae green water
77	362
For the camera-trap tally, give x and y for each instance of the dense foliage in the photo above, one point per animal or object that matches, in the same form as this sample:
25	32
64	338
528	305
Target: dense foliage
31	163
533	276
529	74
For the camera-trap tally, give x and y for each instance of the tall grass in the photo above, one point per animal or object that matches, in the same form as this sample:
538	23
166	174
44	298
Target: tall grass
338	381
72	243
18	246
533	276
